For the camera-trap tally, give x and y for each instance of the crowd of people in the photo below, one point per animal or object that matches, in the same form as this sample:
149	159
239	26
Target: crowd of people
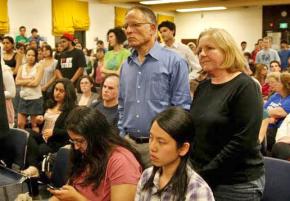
135	122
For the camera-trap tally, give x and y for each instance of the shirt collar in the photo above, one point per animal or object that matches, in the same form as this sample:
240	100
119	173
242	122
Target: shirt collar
156	183
153	52
174	45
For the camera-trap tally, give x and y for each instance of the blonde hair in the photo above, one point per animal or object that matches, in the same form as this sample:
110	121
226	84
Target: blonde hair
274	75
234	59
285	80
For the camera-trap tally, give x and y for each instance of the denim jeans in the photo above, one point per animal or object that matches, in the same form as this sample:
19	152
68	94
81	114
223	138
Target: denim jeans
249	191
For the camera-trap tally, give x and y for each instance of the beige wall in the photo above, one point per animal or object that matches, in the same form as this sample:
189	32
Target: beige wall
243	23
32	14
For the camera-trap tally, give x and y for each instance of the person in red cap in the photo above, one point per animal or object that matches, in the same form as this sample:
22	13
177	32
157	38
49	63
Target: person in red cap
72	61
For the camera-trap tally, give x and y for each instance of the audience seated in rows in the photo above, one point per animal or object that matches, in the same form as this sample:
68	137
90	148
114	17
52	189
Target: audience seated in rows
148	95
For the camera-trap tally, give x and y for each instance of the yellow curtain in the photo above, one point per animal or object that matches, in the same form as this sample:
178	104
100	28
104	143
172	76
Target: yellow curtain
69	16
161	18
4	20
120	14
62	17
81	20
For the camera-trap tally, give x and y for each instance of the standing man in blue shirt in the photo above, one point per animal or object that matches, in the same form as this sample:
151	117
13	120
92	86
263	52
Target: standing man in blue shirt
151	79
284	54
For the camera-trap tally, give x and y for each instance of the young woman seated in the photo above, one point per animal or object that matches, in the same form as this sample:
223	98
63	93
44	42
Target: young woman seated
104	166
171	177
52	133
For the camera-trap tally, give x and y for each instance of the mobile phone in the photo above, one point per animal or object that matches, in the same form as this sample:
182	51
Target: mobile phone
52	187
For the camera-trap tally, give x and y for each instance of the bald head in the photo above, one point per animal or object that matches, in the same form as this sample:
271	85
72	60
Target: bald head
110	90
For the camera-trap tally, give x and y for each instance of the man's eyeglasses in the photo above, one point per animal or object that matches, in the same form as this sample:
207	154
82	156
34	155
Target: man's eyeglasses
77	141
134	25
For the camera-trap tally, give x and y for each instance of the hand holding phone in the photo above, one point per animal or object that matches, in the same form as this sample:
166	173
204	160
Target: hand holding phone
52	187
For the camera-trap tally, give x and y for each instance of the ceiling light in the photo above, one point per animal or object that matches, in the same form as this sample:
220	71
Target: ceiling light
164	1
200	9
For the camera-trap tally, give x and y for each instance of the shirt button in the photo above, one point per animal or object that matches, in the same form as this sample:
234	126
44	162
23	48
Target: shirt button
138	101
137	115
139	73
138	87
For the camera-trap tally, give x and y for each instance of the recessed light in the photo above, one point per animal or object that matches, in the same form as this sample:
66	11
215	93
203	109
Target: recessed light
153	2
200	9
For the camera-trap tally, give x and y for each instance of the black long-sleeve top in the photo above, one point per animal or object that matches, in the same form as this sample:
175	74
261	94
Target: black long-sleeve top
59	137
227	119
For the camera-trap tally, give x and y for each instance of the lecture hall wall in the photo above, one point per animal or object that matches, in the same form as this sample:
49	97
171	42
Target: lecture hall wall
242	23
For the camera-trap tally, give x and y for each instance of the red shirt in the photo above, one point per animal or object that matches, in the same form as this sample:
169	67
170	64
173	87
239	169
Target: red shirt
254	54
122	168
99	79
265	89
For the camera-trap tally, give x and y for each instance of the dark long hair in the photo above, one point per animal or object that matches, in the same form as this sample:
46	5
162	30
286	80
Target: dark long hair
70	95
35	53
101	139
48	47
179	125
9	38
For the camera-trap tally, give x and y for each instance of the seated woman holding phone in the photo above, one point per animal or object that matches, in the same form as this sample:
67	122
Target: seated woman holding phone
104	166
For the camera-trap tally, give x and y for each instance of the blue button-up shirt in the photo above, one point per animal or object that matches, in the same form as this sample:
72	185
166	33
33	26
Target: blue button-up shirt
150	87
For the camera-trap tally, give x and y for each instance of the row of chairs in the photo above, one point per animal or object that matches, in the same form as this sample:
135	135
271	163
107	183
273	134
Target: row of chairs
277	171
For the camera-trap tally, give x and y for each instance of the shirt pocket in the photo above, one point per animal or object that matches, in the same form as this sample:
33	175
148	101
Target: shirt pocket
159	86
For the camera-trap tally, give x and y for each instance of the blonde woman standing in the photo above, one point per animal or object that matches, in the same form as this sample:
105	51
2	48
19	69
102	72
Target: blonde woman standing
227	113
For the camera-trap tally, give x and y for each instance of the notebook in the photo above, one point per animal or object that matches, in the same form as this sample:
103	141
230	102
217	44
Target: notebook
10	177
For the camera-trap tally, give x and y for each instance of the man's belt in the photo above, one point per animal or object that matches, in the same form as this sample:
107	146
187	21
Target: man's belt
139	140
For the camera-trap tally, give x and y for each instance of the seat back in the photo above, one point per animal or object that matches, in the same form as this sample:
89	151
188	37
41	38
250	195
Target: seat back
277	176
14	148
61	167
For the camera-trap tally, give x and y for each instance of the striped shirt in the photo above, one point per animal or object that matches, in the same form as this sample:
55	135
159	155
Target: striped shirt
197	189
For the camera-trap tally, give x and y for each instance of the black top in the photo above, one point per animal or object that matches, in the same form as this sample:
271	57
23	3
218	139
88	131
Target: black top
70	61
227	119
111	113
60	136
12	62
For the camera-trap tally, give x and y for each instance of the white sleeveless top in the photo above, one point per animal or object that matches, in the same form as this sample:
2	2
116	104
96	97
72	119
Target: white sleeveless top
48	72
49	120
30	93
